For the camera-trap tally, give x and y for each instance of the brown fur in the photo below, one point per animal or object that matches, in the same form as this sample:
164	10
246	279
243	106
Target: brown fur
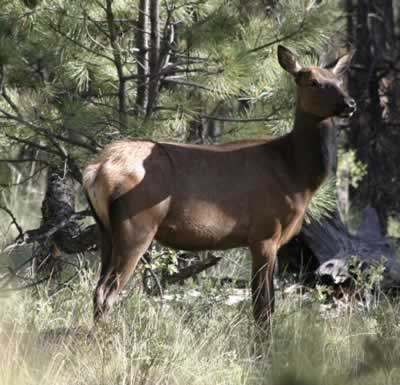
247	193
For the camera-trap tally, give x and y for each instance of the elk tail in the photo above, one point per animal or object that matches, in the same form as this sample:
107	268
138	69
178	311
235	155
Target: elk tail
97	196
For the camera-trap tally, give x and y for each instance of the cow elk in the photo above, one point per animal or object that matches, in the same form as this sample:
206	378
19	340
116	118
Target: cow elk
195	197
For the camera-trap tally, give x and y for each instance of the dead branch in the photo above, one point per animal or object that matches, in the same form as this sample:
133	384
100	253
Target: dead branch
25	160
192	270
155	278
47	230
13	220
8	185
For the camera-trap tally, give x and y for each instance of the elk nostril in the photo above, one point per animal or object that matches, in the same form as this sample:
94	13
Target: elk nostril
351	103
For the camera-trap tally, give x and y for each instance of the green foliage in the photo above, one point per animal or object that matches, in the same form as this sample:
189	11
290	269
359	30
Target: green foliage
62	50
217	20
369	277
393	228
322	293
162	259
350	167
61	80
323	202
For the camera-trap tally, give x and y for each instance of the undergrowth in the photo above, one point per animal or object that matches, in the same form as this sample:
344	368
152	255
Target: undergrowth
49	338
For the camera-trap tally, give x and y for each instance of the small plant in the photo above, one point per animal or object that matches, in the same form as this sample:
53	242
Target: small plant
393	227
350	168
162	258
322	293
158	261
367	277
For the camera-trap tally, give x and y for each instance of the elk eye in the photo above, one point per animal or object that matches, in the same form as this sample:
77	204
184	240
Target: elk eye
314	83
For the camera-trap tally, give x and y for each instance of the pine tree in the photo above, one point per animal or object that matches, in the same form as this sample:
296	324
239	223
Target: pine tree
374	134
77	75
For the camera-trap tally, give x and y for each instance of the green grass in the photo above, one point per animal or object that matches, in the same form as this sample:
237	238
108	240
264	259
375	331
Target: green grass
49	339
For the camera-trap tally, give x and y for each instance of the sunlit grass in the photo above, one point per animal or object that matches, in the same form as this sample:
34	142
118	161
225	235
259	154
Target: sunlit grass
50	339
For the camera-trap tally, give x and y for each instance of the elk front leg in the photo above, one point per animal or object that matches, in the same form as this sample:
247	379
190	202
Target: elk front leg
262	284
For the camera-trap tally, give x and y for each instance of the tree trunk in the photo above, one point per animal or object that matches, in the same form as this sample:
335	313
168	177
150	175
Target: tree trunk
119	66
154	81
374	132
57	204
142	57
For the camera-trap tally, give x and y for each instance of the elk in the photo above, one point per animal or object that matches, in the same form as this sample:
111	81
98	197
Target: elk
197	197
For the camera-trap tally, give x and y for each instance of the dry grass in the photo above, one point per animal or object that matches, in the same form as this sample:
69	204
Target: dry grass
48	339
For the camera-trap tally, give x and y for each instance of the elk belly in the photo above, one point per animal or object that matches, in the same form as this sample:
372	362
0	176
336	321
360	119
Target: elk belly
201	226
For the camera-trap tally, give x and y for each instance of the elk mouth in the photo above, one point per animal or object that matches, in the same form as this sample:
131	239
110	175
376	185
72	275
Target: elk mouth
347	109
347	114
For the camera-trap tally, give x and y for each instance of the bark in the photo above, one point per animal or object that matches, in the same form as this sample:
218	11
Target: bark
154	81
374	132
122	97
203	130
142	57
57	204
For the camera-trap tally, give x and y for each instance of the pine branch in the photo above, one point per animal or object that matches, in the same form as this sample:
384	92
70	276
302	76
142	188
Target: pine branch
187	84
79	44
32	144
280	39
267	118
49	134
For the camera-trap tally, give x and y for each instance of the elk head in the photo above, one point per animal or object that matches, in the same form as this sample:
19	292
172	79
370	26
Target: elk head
319	90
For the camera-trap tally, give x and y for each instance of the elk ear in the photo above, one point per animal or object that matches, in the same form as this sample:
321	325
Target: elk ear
341	65
287	60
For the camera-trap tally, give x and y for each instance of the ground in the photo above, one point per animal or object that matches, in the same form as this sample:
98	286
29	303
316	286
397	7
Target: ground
48	338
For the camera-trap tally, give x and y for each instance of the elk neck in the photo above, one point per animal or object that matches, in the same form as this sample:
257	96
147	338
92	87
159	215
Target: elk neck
312	148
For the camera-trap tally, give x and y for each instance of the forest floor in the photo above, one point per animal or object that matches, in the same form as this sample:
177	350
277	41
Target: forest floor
48	337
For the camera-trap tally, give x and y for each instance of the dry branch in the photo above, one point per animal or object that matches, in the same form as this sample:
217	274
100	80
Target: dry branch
192	270
13	220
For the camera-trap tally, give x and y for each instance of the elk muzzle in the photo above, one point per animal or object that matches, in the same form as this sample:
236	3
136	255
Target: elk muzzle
348	108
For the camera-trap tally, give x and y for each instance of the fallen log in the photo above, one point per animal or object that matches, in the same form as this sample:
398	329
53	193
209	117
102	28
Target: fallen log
326	249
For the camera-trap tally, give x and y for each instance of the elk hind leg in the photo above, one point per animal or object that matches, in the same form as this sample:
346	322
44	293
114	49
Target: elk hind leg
130	240
106	256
